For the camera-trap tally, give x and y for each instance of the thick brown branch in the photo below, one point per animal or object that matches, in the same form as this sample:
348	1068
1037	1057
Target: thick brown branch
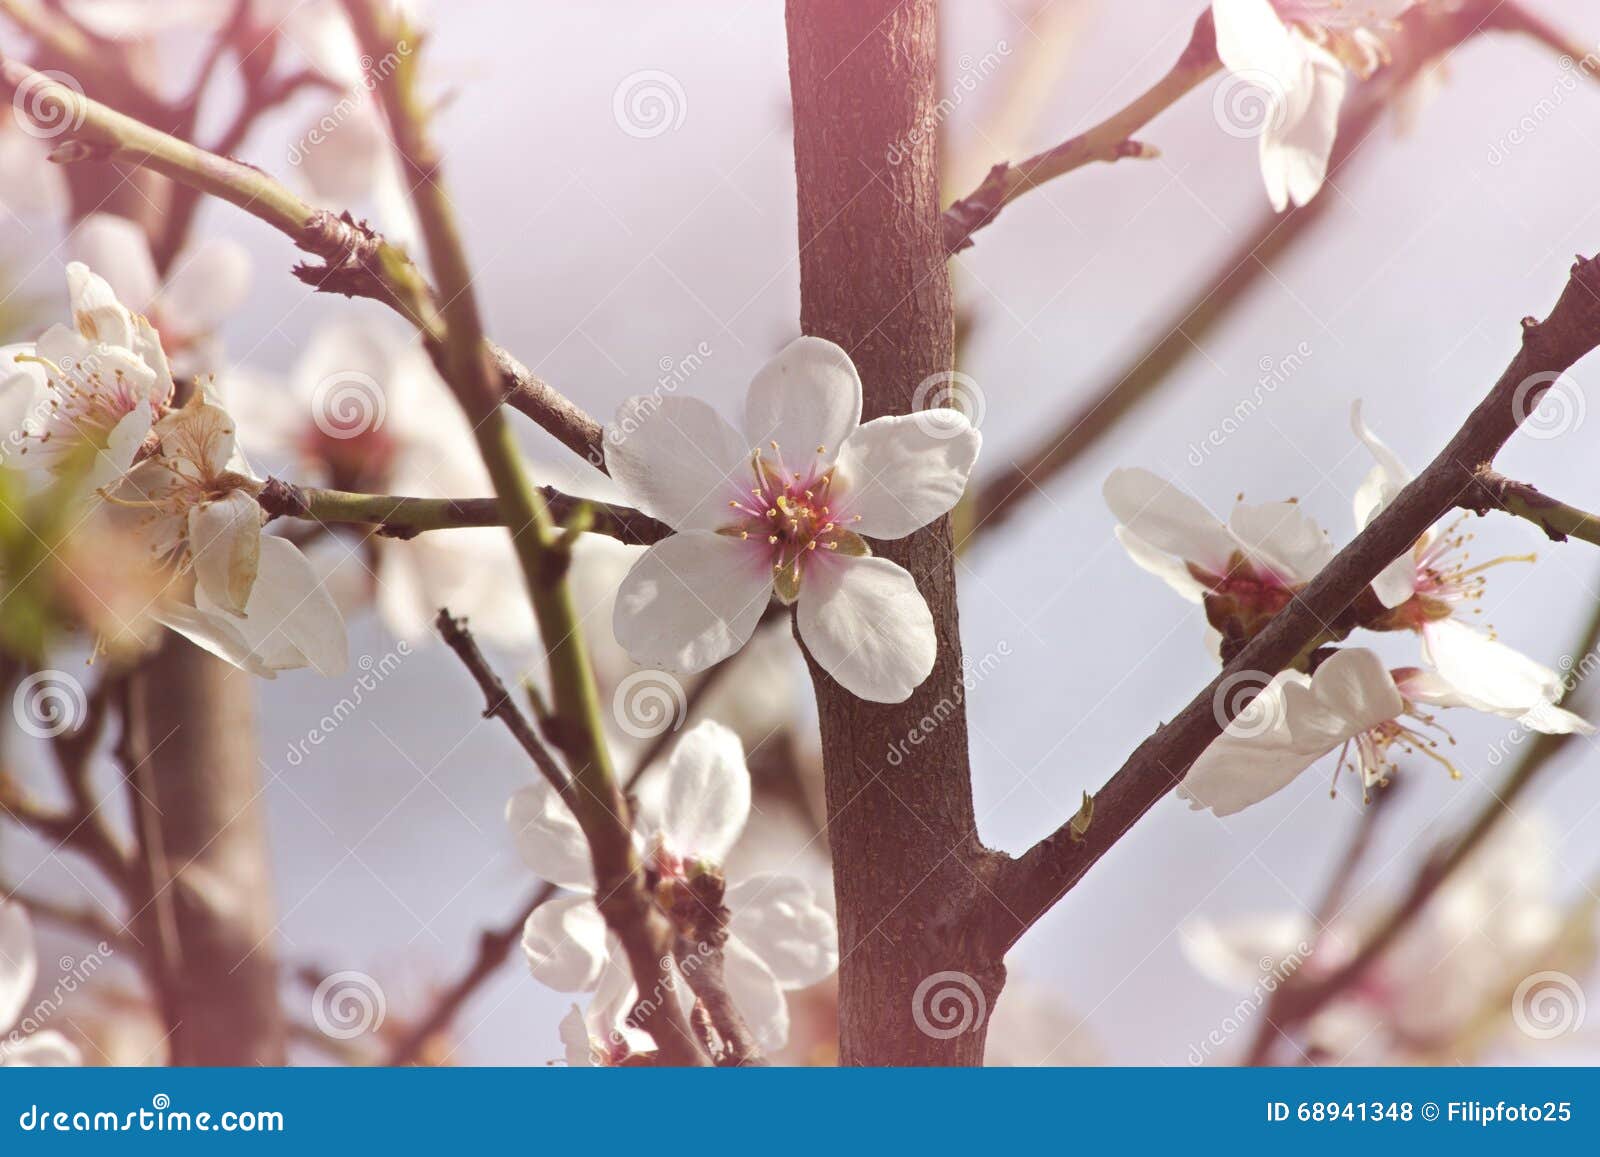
1033	883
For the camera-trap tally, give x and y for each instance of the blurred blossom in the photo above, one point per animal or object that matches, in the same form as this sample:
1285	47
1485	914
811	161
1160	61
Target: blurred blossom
1440	994
1032	1027
364	409
26	1045
205	285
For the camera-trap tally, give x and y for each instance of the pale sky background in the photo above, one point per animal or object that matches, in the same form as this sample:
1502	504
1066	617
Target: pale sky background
599	254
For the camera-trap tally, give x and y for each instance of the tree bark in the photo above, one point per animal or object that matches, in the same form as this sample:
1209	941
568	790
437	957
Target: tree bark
199	715
917	972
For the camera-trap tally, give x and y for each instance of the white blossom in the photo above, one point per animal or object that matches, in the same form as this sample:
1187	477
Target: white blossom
781	510
19	970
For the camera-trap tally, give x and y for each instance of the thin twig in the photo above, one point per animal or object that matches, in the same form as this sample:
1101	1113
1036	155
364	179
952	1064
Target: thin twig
1494	491
1110	140
396	516
354	259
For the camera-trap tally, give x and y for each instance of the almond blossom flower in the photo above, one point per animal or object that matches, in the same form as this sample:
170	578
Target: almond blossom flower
1243	571
257	602
778	938
206	284
1353	704
89	391
19	970
1429	586
1298	51
781	510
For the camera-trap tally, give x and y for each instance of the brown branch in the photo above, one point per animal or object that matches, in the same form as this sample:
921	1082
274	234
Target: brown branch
354	260
1494	491
495	944
497	701
1031	884
395	516
1427	35
1110	140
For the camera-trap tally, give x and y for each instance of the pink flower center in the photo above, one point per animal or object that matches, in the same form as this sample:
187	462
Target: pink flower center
795	512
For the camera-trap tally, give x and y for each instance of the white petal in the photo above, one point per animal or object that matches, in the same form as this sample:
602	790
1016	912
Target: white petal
118	250
1168	519
290	620
679	461
866	623
97	314
756	994
1173	571
691	600
46	1049
898	474
1355	684
1233	773
1388	477
778	918
1283	537
219	634
574	1032
1250	36
208	283
809	396
225	542
611	1004
19	967
548	837
124	441
1397	582
1552	720
707	793
564	940
1488	674
1295	147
